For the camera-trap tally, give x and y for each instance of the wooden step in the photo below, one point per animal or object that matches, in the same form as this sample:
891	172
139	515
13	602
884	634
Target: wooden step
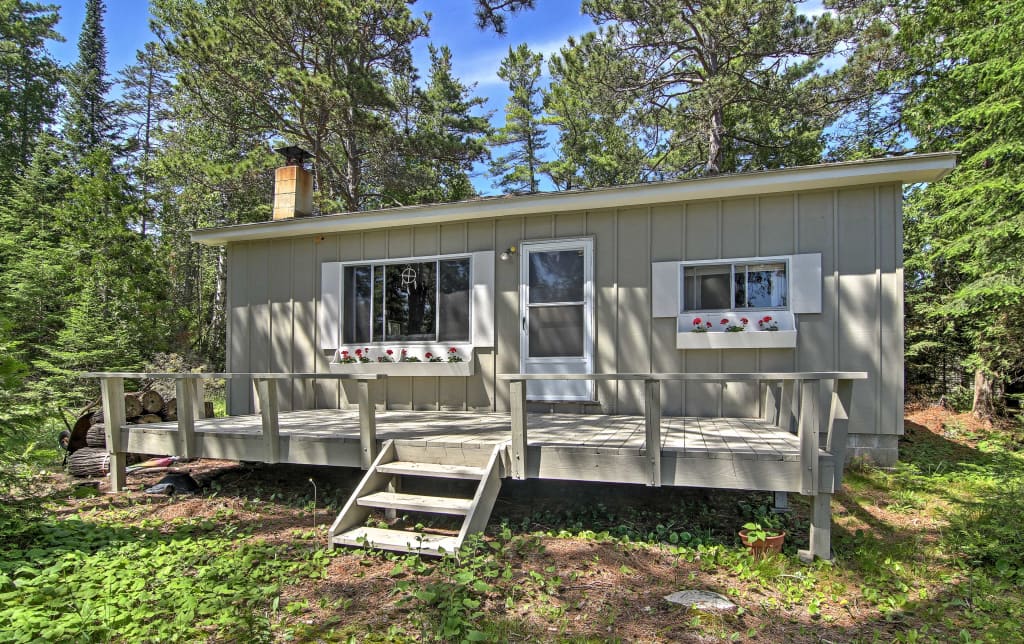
416	503
432	470
398	540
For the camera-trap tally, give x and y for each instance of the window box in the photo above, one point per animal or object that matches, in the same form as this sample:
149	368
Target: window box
421	369
752	337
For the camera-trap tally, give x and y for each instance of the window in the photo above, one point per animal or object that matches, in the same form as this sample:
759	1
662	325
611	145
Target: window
761	285
408	301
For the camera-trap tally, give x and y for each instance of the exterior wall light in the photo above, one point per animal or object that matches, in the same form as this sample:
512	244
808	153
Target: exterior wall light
508	252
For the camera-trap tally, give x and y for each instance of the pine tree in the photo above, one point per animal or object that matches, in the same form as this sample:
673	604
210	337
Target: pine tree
965	234
731	83
29	89
88	118
519	169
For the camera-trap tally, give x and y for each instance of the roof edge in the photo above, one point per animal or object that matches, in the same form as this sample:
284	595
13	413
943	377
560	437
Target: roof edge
920	168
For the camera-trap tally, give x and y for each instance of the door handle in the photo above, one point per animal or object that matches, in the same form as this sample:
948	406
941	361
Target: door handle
524	323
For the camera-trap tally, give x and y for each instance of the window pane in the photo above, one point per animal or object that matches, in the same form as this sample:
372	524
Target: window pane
706	287
378	303
356	314
765	285
556	276
409	300
453	300
556	331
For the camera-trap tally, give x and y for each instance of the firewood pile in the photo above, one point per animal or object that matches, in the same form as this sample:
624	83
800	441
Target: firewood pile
87	445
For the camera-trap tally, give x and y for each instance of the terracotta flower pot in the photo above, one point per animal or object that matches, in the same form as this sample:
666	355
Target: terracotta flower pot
760	549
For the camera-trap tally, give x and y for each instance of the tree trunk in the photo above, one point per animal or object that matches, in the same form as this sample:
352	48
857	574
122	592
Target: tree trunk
151	401
96	436
170	410
89	461
983	406
132	406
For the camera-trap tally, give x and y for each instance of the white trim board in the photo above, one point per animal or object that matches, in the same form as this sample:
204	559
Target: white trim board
908	169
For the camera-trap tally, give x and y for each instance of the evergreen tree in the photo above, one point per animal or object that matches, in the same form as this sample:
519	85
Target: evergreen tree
518	169
600	142
30	77
88	118
965	234
730	82
312	72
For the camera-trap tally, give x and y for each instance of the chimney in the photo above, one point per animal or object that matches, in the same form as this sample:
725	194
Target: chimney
293	185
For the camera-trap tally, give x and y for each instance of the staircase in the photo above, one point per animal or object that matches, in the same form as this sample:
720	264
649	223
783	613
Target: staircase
381	489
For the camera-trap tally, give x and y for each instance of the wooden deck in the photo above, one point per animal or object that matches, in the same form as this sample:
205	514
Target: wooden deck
779	451
562	446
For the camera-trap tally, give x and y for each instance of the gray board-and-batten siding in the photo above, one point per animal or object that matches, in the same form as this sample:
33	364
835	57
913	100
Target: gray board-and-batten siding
273	295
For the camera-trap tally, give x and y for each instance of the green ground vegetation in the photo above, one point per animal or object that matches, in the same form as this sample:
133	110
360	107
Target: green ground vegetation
930	550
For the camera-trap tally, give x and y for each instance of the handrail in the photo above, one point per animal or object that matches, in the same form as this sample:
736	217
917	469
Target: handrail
698	377
229	375
776	412
189	391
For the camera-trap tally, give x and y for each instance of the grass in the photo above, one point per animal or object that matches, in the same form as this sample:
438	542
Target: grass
928	551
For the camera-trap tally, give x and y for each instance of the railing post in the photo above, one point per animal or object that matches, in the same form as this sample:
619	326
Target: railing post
112	390
786	405
266	391
838	426
186	417
769	405
367	425
652	423
807	434
517	399
198	394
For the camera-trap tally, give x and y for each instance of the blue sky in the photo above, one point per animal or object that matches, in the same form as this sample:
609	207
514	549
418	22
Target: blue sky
476	54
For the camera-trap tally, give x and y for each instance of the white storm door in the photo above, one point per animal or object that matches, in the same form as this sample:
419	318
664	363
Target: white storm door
557	308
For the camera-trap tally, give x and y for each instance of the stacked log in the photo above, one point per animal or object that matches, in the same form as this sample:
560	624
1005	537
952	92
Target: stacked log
87	445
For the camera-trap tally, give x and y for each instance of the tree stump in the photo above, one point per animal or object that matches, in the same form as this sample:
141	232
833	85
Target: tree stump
151	401
96	436
89	461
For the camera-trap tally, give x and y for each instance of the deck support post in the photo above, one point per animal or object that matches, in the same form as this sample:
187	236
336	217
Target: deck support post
820	545
266	391
112	390
785	416
367	425
807	434
187	414
517	400
652	423
838	426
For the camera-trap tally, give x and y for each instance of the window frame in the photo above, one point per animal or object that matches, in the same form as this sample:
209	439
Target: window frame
732	263
422	259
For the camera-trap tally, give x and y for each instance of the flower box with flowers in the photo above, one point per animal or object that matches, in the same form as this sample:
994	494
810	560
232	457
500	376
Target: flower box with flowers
730	330
398	361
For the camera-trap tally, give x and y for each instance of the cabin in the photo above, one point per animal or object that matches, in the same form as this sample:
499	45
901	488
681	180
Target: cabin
739	331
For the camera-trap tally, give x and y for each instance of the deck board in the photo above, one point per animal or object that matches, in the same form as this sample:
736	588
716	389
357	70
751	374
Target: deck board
687	437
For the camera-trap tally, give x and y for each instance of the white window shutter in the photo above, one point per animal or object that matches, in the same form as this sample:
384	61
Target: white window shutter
483	299
805	283
328	314
664	289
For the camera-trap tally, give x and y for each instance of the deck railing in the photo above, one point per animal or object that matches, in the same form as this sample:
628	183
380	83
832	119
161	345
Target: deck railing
189	391
777	410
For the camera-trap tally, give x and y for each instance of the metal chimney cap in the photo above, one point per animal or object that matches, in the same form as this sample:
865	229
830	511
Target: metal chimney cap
294	155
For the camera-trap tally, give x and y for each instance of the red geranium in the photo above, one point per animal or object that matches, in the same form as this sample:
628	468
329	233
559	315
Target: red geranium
359	352
745	321
389	352
429	355
708	324
698	321
724	321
